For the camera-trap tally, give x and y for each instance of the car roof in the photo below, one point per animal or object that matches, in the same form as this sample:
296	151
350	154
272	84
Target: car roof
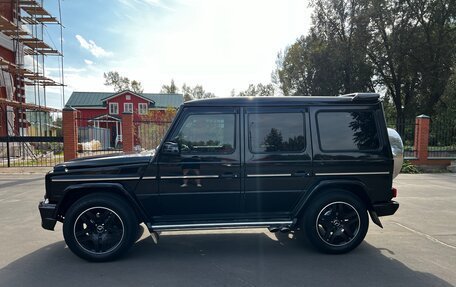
358	98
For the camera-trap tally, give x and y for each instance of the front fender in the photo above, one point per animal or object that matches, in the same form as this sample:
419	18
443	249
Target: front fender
76	191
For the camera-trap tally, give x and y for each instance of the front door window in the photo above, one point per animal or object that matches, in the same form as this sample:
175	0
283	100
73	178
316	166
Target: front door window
207	134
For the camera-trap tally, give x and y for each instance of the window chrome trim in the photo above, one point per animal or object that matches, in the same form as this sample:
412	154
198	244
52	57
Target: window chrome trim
149	177
94	179
188	176
269	175
224	224
353	173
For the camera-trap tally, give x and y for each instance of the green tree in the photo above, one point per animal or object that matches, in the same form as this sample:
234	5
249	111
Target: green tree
120	83
331	60
258	90
169	89
195	93
136	87
412	47
434	49
390	43
343	26
406	48
307	68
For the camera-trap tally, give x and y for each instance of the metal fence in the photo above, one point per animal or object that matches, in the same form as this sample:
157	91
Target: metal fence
30	138
407	132
24	151
99	136
442	139
148	133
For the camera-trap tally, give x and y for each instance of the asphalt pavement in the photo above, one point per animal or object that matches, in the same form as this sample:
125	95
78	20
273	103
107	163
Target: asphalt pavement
417	247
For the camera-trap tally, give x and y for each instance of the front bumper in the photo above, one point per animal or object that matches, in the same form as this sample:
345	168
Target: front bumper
47	212
386	208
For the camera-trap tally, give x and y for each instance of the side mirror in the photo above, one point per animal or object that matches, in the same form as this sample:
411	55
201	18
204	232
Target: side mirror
170	148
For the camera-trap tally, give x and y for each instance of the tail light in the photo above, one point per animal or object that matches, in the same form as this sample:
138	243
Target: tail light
394	192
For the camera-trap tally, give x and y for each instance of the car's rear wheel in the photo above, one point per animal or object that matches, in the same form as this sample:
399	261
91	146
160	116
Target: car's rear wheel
336	222
100	227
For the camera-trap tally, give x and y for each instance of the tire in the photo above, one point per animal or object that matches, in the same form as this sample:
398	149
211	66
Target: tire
100	227
336	222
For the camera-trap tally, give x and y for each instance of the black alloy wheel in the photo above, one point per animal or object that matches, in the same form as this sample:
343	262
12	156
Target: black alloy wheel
336	222
100	227
99	230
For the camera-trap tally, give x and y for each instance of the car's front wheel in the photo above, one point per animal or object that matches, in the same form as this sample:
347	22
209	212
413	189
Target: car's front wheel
336	222
100	227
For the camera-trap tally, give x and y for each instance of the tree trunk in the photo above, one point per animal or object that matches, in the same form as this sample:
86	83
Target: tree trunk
400	121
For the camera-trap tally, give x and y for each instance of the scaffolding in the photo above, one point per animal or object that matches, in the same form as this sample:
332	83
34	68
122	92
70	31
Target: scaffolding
29	24
27	30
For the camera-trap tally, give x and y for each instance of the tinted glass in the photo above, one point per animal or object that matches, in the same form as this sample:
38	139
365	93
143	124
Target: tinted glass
276	132
207	134
351	131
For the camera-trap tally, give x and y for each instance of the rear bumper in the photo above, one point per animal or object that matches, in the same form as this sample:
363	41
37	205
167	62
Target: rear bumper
386	208
47	212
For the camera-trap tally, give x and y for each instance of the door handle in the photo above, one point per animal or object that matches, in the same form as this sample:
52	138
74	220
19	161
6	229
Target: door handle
228	175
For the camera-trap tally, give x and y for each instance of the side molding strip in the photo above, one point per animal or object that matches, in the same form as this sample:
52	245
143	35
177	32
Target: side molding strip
188	176
269	175
352	173
94	179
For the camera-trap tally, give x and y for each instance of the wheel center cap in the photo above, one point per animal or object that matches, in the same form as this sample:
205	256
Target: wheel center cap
100	228
336	222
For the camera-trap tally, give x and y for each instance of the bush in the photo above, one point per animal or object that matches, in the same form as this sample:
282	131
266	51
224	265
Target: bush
408	167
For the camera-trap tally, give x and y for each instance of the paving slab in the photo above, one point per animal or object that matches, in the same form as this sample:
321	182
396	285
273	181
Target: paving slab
415	248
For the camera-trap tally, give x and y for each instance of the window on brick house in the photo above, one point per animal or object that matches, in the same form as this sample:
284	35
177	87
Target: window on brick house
142	108
113	108
128	107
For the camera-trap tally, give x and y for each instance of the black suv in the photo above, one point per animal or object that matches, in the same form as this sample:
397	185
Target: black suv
316	165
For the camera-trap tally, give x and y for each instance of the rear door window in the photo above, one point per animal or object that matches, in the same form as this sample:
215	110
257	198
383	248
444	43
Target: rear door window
276	132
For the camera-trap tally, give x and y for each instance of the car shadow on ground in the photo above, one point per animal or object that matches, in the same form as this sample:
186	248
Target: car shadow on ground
215	259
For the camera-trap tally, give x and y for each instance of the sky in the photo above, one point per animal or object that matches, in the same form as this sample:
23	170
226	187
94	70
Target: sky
221	45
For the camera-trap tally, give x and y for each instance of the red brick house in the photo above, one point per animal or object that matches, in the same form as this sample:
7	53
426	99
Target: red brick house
101	110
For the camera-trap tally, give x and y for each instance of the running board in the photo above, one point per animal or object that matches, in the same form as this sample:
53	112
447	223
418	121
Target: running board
221	225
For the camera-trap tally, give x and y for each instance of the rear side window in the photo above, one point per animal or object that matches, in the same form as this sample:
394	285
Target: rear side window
276	132
347	131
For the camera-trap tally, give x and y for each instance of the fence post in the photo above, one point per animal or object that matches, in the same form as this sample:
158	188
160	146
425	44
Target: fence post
127	132
421	138
70	133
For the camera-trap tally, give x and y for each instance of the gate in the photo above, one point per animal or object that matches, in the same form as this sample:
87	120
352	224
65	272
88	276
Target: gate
30	138
98	136
27	151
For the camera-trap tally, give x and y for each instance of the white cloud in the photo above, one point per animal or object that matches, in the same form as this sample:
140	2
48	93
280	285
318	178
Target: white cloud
92	47
219	44
88	62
